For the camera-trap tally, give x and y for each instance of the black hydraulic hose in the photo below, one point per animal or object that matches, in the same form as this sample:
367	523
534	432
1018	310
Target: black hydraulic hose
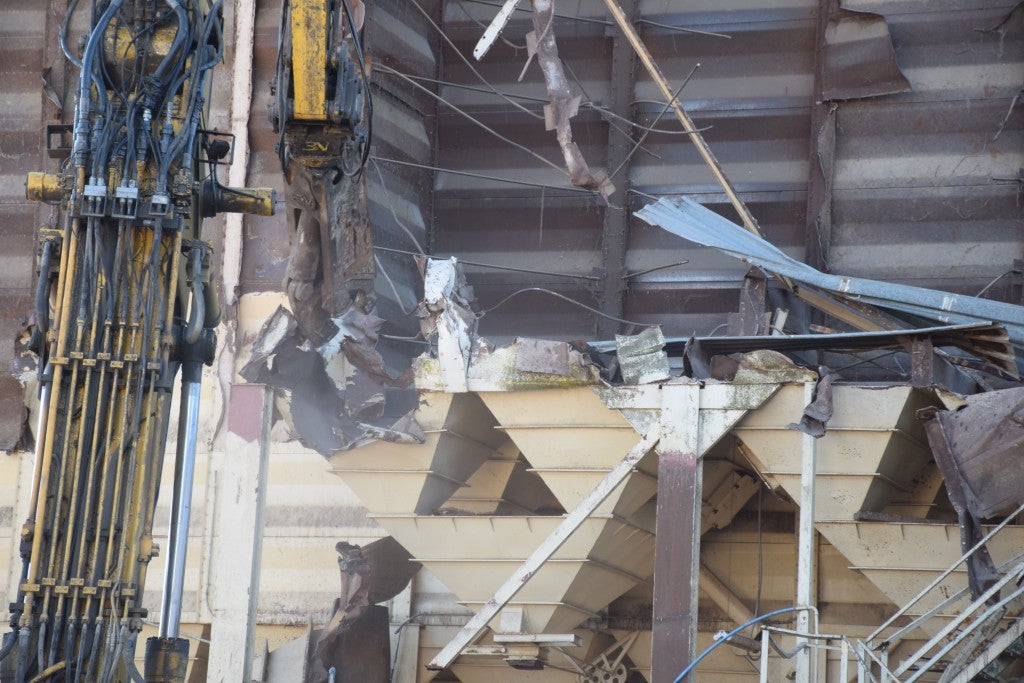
358	45
43	289
58	628
128	653
85	80
180	38
69	647
63	36
23	643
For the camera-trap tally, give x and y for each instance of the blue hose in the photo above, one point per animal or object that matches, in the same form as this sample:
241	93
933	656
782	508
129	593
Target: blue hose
730	634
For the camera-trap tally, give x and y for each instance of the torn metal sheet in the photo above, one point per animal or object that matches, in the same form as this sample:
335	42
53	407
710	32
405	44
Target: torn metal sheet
642	358
688	219
564	104
370	575
981	570
315	406
750	319
445	312
986	439
859	58
325	412
361	653
393	569
818	412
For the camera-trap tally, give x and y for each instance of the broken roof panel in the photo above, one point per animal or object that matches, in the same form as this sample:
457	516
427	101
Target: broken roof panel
688	219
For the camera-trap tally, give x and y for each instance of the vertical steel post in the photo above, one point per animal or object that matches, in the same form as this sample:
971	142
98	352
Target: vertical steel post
266	420
805	547
677	545
616	220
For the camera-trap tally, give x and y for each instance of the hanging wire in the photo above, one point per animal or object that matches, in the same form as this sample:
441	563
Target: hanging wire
482	176
563	297
360	60
647	131
465	60
394	288
494	266
994	281
391	206
475	121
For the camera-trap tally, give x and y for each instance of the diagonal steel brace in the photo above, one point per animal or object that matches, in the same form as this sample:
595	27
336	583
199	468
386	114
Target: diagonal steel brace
475	626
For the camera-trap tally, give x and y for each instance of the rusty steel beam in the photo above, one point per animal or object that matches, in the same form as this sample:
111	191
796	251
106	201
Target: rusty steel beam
616	214
677	546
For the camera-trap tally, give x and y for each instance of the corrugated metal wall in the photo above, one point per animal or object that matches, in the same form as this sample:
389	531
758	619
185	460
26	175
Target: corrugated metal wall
911	174
24	53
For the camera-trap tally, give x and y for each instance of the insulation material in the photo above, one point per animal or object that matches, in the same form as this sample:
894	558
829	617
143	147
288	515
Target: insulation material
642	357
445	312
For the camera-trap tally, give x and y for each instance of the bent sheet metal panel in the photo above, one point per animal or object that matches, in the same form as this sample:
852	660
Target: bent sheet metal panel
688	219
985	438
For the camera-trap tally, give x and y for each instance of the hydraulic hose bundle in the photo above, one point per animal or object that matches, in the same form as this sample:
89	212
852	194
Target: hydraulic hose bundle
130	305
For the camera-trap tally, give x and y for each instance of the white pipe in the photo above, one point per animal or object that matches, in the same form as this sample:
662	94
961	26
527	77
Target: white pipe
765	646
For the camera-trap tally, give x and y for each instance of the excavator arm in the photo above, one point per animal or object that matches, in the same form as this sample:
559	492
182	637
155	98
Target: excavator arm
322	111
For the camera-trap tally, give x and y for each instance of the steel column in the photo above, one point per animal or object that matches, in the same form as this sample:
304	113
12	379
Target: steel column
677	546
765	647
616	214
806	548
822	151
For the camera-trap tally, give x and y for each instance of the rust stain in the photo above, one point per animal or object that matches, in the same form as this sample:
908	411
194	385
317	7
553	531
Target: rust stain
245	411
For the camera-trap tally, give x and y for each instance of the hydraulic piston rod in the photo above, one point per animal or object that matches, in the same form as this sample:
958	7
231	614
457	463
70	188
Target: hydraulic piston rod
181	506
